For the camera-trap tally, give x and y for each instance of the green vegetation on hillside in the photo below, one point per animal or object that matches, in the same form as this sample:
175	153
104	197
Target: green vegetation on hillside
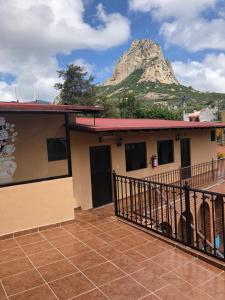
155	93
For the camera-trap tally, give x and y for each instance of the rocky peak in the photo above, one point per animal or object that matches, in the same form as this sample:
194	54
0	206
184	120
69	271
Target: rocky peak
146	55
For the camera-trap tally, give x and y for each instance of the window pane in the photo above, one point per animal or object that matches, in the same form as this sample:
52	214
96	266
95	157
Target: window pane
165	152
213	135
56	149
24	154
135	156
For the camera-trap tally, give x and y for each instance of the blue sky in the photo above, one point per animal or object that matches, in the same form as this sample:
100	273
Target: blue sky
48	34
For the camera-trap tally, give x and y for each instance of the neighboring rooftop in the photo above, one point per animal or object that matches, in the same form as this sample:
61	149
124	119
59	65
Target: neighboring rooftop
48	107
104	124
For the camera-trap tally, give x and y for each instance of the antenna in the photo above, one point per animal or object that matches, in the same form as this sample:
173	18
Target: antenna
34	95
17	100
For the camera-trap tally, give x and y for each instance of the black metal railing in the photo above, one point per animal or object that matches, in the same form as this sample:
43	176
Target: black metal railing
197	175
190	216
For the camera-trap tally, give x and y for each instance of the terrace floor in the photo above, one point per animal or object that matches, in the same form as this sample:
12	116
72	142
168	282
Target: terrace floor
99	257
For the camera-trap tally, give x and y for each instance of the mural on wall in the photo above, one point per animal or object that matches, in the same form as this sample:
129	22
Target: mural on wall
8	137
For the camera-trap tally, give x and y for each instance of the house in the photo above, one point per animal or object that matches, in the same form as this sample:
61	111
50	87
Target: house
203	115
52	161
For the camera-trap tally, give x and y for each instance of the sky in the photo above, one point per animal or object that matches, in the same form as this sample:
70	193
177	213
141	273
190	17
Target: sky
38	37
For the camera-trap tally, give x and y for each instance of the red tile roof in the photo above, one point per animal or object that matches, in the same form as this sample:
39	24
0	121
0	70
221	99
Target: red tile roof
36	107
103	124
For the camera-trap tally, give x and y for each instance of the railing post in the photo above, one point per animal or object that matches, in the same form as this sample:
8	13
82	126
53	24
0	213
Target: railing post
115	193
188	213
180	172
213	175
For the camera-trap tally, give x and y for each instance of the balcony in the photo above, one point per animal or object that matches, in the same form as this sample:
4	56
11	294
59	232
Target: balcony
100	257
171	205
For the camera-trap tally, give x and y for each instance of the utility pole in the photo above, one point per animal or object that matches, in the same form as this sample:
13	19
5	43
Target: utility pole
184	105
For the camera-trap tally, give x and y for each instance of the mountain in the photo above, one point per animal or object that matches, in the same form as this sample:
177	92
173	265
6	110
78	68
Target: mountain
147	56
143	72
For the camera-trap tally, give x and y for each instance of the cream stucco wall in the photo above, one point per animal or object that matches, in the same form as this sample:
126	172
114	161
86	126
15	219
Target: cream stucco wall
31	154
42	203
35	204
202	150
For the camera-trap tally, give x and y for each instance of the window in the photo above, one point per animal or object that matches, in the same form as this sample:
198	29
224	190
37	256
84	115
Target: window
56	149
165	152
213	135
135	156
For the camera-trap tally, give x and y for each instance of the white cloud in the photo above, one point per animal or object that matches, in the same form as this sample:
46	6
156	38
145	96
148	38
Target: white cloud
207	75
172	8
33	32
197	35
89	68
183	23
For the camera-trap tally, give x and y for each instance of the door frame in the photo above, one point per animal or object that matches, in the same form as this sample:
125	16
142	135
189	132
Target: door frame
110	165
185	171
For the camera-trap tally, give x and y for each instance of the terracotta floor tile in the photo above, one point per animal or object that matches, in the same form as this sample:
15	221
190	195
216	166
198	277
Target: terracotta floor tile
14	267
87	260
63	240
2	293
149	280
37	247
29	238
54	233
119	246
93	295
39	293
194	274
136	256
172	279
106	237
215	288
134	241
170	293
83	235
208	266
72	228
103	273
149	249
74	249
95	243
11	254
126	264
124	288
21	282
196	294
119	233
57	270
46	257
109	226
95	231
109	252
171	260
154	267
150	297
71	286
7	244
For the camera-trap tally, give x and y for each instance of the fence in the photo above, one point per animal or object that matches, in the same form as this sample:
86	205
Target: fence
196	175
190	216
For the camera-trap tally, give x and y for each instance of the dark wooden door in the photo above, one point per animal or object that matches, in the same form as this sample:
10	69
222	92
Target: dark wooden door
185	152
101	180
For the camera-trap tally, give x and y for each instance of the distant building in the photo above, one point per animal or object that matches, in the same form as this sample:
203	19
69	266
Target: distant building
203	115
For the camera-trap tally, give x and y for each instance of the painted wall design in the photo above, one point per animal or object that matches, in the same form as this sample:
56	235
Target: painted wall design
8	164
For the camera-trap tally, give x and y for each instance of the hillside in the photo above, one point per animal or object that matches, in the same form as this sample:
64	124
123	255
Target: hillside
170	95
144	72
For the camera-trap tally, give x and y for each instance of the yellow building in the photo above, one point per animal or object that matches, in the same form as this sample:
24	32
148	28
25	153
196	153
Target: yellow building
52	162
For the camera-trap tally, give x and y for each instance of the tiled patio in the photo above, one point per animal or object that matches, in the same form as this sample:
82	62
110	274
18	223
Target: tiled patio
99	257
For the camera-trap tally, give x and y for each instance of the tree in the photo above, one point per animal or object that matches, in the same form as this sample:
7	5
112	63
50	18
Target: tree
76	87
129	106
